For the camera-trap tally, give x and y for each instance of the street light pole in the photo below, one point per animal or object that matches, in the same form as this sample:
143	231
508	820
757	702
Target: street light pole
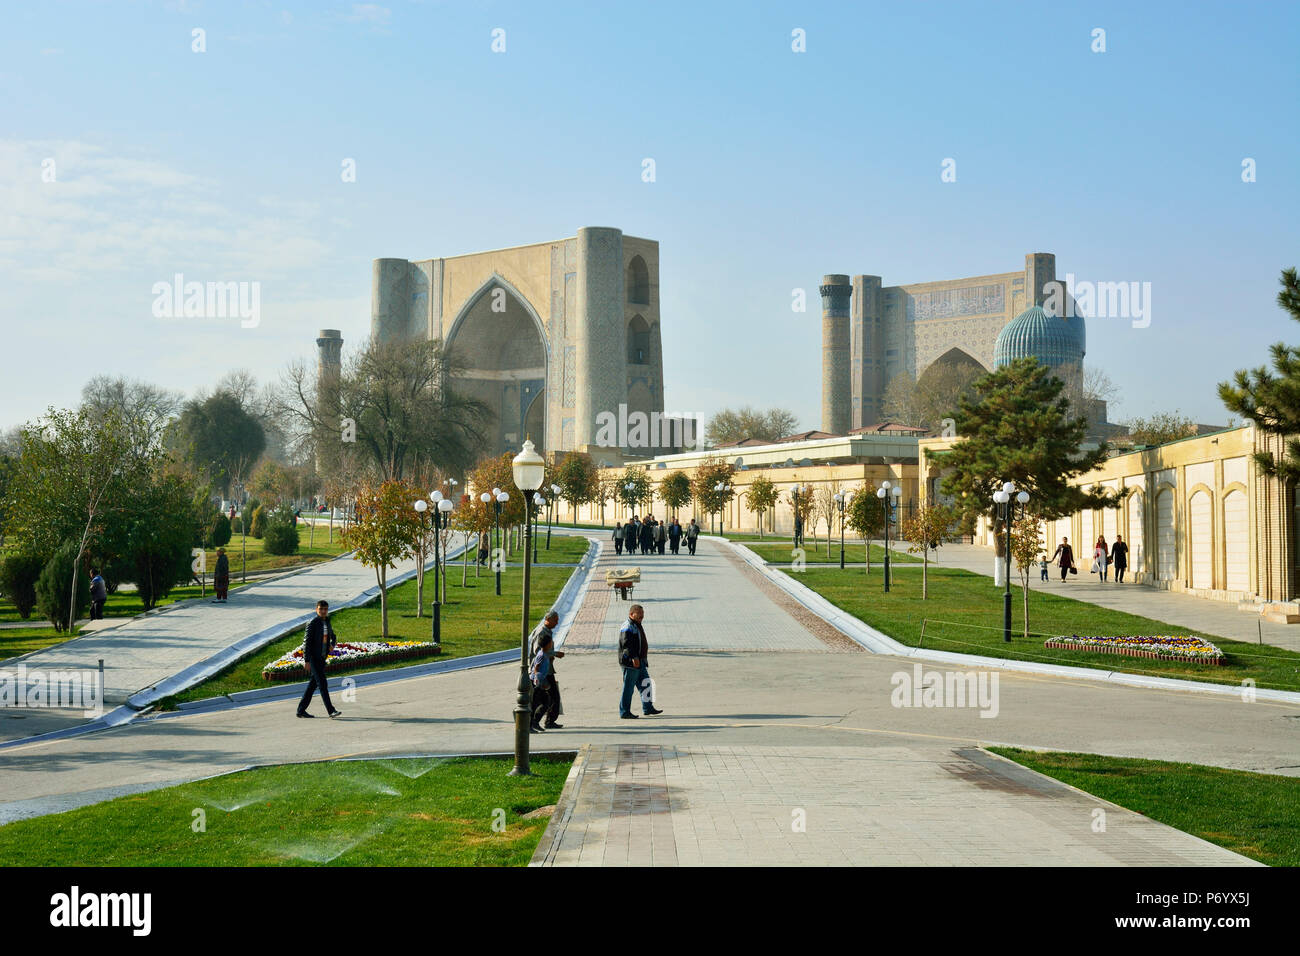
888	496
1006	499
842	499
552	507
529	469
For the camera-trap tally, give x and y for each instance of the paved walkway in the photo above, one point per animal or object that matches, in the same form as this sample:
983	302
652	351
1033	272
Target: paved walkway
745	689
893	804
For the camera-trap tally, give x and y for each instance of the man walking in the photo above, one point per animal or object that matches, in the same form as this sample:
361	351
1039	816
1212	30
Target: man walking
647	542
98	595
618	537
631	531
543	636
540	671
692	532
221	579
1119	555
675	534
661	536
632	651
314	649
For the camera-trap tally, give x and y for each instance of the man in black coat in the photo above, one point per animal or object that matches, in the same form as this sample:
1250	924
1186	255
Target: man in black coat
631	533
320	638
632	651
647	535
675	534
1119	557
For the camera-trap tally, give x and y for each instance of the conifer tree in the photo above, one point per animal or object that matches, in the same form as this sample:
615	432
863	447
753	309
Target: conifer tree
1272	399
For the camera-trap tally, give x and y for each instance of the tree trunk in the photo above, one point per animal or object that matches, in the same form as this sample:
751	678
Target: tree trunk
925	574
464	566
1024	589
383	601
419	585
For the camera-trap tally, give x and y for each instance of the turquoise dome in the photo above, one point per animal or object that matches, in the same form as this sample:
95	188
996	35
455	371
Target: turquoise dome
1053	341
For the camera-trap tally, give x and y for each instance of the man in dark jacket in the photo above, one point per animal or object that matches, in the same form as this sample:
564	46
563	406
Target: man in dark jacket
221	579
98	595
675	534
320	638
543	637
692	533
632	651
1119	557
631	533
661	536
648	535
618	538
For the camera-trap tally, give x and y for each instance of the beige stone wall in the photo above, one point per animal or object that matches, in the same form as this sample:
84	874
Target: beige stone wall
1201	518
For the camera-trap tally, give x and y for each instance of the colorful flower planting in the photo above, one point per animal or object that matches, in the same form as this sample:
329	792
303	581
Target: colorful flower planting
1160	647
347	655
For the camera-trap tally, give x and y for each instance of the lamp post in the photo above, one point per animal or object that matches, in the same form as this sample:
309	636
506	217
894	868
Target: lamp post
842	499
552	506
498	498
889	501
1005	499
721	488
794	503
536	512
441	515
529	468
453	498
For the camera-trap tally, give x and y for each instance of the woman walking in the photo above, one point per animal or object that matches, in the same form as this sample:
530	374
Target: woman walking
1101	557
1066	554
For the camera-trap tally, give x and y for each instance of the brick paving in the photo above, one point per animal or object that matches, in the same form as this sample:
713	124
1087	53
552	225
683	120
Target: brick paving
919	804
699	603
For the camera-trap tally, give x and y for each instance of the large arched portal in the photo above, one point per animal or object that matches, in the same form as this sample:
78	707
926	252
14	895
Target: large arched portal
496	344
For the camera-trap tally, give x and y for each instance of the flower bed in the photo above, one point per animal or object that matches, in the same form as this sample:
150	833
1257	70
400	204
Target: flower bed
347	655
1161	647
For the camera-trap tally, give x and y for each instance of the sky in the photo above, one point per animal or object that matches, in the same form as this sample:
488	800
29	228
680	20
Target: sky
128	155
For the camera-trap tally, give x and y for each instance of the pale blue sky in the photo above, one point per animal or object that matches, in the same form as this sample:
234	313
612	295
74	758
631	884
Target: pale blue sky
772	168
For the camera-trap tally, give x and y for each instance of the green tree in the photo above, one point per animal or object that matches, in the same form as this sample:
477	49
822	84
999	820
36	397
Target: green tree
19	573
383	534
634	488
1160	428
578	480
923	529
1026	546
732	425
761	498
865	516
161	526
675	491
1272	399
57	585
215	435
1020	428
710	473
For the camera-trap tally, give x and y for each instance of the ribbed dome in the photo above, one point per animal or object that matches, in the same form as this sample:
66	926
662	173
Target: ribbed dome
1053	341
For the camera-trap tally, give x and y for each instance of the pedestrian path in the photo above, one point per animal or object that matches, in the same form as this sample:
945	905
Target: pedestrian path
695	603
913	804
1199	615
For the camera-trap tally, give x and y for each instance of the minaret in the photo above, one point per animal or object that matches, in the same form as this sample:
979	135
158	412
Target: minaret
329	366
837	387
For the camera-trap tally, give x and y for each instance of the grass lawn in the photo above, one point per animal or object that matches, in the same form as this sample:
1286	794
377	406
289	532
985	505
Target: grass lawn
779	552
24	640
1254	814
411	812
474	621
259	560
964	615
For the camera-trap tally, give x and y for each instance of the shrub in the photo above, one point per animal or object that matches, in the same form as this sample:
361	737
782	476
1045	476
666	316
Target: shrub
257	526
54	588
18	575
219	530
281	534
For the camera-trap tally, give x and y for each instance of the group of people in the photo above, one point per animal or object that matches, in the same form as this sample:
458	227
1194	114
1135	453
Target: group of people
651	536
1103	557
633	651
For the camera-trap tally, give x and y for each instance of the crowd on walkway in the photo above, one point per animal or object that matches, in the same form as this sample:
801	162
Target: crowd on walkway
650	536
1104	557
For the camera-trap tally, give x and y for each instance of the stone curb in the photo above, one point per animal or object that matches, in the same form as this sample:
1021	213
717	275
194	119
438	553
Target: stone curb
879	643
549	845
